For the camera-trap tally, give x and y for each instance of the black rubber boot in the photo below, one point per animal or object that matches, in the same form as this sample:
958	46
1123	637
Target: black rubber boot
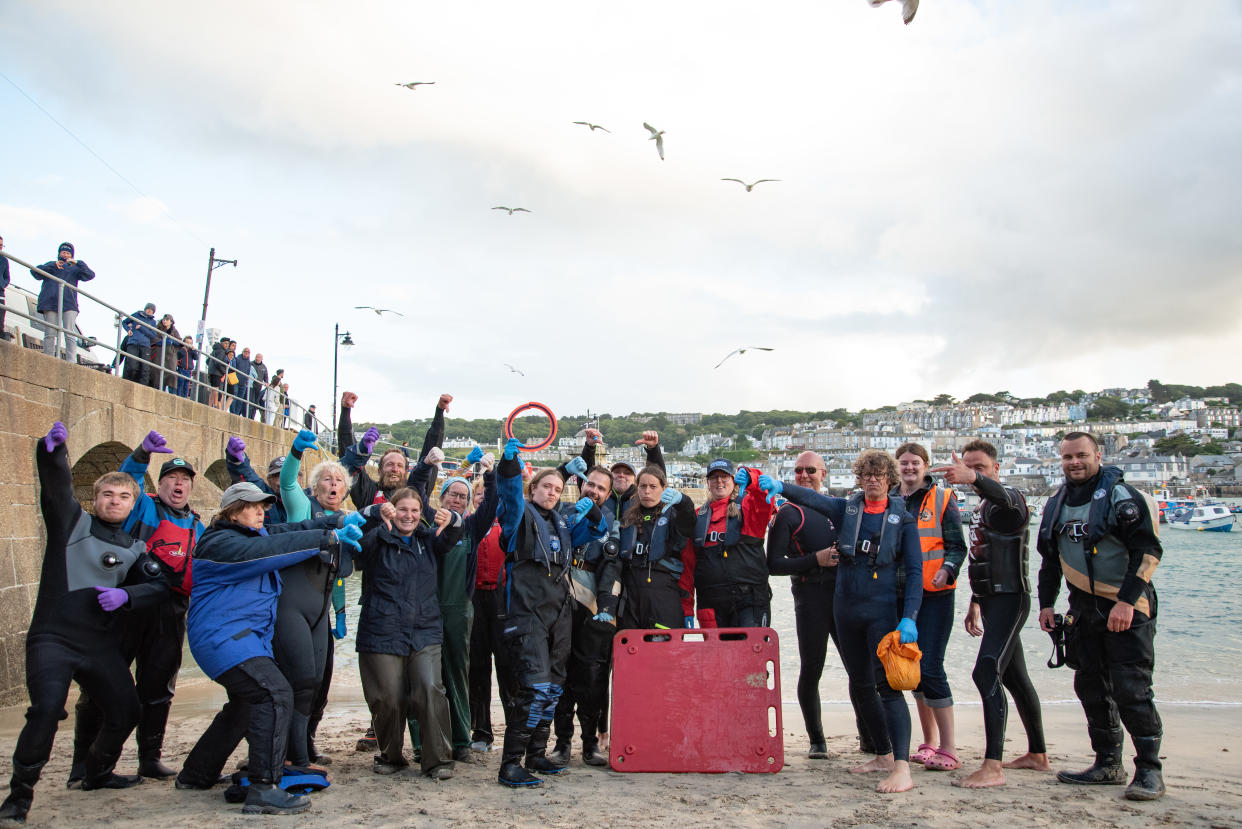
511	771
151	741
591	755
266	798
1107	769
21	792
536	752
367	742
560	753
1148	782
819	750
100	775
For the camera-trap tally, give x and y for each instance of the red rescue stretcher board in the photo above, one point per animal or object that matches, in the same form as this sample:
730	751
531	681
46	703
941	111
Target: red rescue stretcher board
703	700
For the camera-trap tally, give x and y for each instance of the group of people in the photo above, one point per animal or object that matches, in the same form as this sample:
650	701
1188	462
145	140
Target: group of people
499	565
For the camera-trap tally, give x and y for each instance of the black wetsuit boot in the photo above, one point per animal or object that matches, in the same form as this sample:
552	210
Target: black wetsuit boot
511	771
536	752
100	775
591	755
1148	783
151	727
1107	769
21	792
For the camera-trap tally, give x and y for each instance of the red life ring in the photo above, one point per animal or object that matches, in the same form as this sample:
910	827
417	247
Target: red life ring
525	407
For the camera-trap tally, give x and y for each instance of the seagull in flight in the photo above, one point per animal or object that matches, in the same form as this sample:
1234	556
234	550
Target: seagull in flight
413	84
908	8
515	370
512	210
379	312
656	136
593	127
742	350
750	186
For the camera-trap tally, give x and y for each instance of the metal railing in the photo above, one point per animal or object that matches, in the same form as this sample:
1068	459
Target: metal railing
202	388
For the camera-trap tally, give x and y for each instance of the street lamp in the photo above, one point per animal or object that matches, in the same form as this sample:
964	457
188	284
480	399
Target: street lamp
212	264
338	340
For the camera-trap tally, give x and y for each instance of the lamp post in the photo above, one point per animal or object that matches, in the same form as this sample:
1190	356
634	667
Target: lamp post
338	340
212	264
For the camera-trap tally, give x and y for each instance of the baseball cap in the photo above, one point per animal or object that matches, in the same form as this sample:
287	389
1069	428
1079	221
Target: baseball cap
627	465
720	465
244	491
174	465
275	466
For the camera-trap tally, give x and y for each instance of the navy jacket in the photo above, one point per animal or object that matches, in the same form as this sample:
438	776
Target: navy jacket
73	274
138	334
400	610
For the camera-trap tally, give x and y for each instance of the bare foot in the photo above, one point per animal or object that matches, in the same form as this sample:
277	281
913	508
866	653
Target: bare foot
603	741
1038	762
898	781
990	774
881	762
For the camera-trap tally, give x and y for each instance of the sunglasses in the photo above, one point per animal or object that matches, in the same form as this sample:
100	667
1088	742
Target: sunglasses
805	470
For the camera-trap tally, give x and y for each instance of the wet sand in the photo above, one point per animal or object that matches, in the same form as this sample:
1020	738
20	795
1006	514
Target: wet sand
1203	771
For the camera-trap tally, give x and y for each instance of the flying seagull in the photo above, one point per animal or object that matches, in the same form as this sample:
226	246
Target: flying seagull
512	210
750	186
379	312
908	8
742	350
515	370
413	84
656	136
593	127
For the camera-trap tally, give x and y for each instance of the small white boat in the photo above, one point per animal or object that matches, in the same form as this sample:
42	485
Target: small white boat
1203	517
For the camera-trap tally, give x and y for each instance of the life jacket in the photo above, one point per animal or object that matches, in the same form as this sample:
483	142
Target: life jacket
875	552
173	547
997	562
657	549
539	544
726	559
491	560
930	520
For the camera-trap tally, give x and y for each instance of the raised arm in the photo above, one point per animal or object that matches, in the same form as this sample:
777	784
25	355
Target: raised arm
297	505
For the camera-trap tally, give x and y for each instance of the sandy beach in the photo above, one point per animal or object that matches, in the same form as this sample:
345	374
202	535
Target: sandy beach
1202	749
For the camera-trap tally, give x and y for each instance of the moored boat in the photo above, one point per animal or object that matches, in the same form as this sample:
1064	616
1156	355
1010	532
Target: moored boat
1205	517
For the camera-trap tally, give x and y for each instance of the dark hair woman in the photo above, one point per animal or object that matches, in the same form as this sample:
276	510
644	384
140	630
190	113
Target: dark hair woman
654	529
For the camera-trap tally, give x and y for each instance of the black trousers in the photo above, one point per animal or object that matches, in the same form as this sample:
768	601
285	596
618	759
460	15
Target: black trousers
53	661
134	370
259	708
486	647
1114	682
586	677
741	606
537	629
1001	665
651	598
152	643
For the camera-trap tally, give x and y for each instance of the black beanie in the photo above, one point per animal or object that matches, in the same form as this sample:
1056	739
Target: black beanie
65	246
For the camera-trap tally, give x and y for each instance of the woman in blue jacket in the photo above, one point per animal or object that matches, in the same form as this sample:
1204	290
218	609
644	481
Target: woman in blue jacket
232	613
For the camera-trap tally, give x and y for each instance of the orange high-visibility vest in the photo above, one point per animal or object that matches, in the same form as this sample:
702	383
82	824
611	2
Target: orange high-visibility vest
931	535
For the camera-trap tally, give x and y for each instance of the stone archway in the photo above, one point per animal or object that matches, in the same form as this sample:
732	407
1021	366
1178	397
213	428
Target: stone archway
99	459
218	474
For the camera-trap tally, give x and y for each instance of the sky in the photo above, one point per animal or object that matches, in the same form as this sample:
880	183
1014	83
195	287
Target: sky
1000	196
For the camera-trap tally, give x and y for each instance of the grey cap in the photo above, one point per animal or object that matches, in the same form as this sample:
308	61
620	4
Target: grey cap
245	491
627	465
274	467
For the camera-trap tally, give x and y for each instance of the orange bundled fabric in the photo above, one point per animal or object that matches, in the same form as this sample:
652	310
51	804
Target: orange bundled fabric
901	662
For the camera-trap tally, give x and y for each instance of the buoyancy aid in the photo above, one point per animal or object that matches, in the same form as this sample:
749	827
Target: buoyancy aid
538	542
728	558
173	547
877	552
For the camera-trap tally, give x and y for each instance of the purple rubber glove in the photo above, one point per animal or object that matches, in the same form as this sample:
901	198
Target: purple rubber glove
236	450
154	443
56	436
369	439
112	598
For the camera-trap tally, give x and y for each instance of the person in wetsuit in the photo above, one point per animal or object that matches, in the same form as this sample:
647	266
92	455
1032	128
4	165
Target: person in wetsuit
877	537
1000	602
153	637
654	530
1100	533
91	569
538	539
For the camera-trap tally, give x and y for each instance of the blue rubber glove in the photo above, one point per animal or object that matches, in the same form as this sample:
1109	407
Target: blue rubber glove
577	467
236	449
689	621
351	535
354	519
476	455
771	486
908	630
512	447
154	444
742	479
670	496
305	440
583	507
112	598
56	436
339	631
369	438
604	616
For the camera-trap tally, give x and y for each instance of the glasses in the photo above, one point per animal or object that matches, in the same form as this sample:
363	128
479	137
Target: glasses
806	470
872	476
